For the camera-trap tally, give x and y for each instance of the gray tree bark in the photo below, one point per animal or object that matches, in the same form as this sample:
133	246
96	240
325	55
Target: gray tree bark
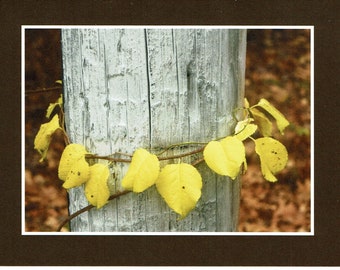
131	88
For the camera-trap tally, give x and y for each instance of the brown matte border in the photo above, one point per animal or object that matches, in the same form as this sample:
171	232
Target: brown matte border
321	249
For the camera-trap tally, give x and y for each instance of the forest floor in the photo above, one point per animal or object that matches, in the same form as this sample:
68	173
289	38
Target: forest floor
277	68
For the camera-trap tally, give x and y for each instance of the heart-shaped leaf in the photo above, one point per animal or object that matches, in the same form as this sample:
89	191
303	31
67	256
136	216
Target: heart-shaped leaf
143	171
225	157
79	174
180	186
43	138
281	121
71	154
273	157
244	129
96	188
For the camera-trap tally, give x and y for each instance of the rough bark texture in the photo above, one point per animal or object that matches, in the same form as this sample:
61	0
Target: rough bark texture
131	88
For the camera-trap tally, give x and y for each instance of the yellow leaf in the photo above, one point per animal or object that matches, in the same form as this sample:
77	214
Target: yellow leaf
244	129
225	157
236	155
242	124
246	103
264	124
53	105
245	107
79	174
281	121
96	188
273	157
143	171
43	138
70	156
59	81
215	157
180	186
246	132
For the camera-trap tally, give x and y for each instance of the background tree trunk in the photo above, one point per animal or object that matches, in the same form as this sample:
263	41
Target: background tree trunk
131	88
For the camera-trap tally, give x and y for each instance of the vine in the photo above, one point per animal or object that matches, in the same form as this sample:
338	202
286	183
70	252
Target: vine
179	184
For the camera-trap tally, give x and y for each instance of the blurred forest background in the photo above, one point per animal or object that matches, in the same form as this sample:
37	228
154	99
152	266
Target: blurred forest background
277	68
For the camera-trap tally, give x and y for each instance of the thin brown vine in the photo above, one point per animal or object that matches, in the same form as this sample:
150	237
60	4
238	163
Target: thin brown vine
87	208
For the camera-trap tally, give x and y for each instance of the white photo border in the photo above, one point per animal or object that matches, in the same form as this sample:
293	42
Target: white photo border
255	27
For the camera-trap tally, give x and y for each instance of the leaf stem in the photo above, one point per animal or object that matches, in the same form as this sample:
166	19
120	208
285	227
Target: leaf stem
198	161
66	138
236	110
62	116
250	137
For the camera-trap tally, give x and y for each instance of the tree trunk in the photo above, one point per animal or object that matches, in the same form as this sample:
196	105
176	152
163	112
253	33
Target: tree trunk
151	88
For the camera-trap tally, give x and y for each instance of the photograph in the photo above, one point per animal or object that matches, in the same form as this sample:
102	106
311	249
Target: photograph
167	130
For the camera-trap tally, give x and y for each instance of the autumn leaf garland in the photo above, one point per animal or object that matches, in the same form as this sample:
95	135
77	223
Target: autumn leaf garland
178	184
